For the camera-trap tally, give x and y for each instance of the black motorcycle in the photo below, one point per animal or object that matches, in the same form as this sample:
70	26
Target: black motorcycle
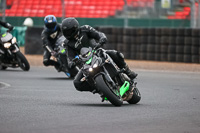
10	55
61	58
106	78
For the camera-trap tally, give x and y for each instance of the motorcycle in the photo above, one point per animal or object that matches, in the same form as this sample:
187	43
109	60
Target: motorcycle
61	58
10	55
107	78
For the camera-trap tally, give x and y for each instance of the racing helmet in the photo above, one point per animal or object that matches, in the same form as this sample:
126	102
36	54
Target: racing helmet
70	27
50	22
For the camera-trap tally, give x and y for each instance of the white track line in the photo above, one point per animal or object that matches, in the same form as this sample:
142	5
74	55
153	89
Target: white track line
5	85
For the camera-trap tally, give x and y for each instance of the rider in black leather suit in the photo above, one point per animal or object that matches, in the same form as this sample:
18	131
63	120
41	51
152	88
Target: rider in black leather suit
10	28
86	36
50	34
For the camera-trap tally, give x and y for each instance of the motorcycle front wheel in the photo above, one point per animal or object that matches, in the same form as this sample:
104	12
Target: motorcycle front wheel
23	63
103	87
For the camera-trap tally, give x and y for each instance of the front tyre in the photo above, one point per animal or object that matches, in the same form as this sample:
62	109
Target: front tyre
105	89
22	61
136	96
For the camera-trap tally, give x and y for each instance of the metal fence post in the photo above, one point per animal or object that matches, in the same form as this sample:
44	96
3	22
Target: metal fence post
4	10
126	13
63	8
198	23
193	14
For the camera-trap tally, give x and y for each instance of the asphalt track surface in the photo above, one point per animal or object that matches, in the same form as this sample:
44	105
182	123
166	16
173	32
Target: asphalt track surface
44	101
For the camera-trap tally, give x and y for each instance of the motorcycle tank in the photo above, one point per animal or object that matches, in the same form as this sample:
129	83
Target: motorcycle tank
6	37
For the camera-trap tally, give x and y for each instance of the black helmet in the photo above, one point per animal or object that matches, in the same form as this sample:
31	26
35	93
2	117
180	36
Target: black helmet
50	22
70	27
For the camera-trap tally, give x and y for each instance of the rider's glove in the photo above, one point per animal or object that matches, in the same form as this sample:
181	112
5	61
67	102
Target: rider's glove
53	53
78	62
10	29
75	62
102	41
97	46
71	65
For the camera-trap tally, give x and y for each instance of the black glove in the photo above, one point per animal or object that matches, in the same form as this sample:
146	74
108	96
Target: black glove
102	40
9	26
98	46
10	29
71	65
53	53
77	61
74	63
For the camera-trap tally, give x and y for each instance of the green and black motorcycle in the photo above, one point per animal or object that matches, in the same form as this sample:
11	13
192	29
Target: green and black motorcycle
10	55
106	78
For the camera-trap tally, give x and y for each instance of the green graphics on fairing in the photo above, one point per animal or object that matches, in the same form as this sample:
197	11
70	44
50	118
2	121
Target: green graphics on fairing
124	88
4	35
63	51
89	61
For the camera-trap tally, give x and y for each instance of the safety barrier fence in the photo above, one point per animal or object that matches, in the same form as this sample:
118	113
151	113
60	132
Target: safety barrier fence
158	44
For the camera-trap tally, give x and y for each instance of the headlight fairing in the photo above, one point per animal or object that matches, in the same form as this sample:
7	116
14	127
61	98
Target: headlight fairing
95	65
7	45
90	69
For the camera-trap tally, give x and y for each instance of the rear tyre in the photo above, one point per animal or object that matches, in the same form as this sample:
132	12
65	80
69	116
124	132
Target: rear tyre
105	89
136	96
3	67
23	63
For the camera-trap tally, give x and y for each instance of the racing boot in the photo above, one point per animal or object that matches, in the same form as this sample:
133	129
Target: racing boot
132	75
58	67
66	70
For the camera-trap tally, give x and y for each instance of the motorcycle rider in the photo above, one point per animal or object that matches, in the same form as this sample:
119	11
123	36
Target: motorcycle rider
10	28
6	25
50	33
86	36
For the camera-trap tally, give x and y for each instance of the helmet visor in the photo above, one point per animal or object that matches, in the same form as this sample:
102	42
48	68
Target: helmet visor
69	33
51	25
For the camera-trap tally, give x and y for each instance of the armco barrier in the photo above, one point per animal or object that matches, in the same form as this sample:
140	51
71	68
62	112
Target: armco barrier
33	42
157	44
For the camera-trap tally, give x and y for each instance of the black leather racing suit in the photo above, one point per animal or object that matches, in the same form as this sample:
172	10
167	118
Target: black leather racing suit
87	37
49	39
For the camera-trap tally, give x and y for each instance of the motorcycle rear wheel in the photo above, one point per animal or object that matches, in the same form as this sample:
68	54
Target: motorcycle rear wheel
3	67
136	97
104	88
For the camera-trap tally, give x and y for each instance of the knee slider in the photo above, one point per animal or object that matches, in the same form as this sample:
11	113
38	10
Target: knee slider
77	85
45	62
